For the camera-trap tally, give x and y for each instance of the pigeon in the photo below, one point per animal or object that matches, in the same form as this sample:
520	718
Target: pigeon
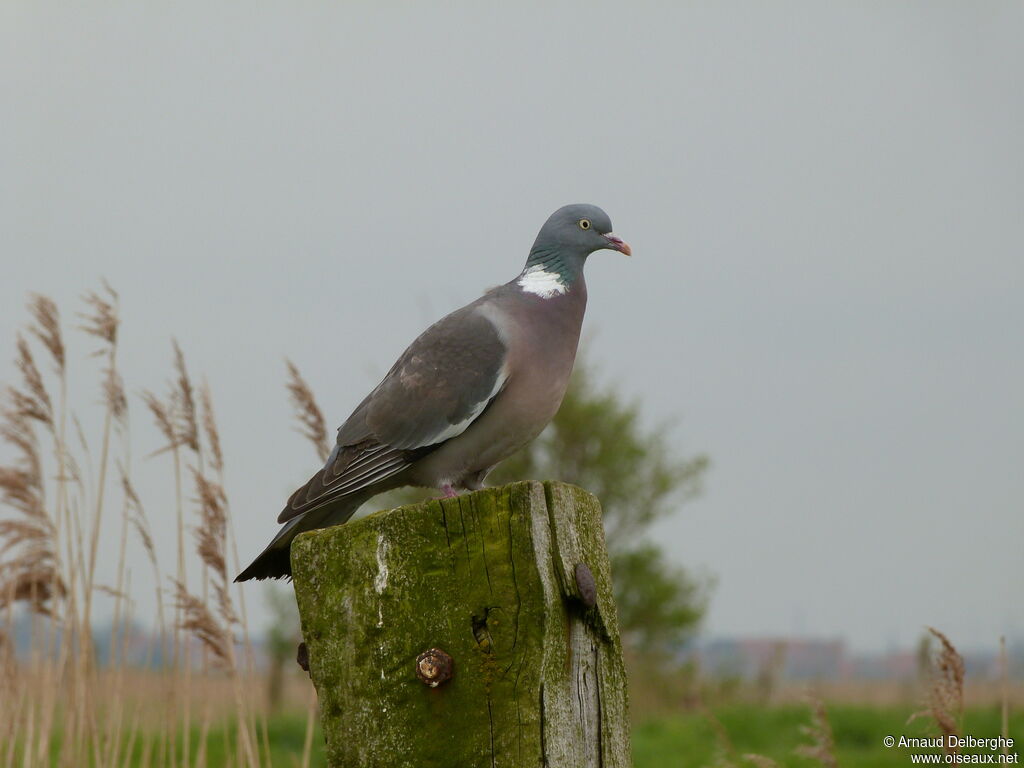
470	391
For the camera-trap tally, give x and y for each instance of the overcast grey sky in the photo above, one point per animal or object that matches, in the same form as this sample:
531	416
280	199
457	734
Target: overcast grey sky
824	200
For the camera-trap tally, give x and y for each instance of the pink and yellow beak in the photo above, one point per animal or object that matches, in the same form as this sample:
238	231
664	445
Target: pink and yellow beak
618	244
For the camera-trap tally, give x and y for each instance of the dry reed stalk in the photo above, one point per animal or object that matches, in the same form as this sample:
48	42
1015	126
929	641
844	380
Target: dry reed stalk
9	684
187	435
32	404
184	657
823	746
211	538
11	708
137	517
163	416
7	668
204	734
946	693
103	323
133	735
36	404
97	726
257	715
119	624
215	634
113	714
1004	679
39	558
141	525
209	428
307	412
45	326
30	729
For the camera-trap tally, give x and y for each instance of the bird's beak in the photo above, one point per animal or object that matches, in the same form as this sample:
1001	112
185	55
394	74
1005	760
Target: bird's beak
617	244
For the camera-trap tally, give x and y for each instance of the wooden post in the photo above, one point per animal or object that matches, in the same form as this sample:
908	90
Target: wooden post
511	584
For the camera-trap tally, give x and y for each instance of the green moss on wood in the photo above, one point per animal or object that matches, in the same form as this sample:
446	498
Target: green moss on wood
487	577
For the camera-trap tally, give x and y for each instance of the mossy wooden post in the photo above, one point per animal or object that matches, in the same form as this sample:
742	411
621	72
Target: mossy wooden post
500	581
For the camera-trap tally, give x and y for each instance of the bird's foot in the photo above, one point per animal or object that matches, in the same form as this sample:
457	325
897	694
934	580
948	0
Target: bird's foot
448	491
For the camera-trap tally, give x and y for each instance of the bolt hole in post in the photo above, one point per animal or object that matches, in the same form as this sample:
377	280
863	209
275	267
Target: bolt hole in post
302	657
481	633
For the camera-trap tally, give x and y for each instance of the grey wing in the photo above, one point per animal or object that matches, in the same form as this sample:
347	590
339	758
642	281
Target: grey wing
440	384
436	389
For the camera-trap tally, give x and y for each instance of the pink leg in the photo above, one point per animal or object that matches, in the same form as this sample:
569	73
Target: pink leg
448	491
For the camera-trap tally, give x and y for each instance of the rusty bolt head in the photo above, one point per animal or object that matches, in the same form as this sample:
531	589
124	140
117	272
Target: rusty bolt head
434	667
586	585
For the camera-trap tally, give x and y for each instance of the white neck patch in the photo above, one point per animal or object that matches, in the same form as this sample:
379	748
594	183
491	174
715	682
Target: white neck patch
539	281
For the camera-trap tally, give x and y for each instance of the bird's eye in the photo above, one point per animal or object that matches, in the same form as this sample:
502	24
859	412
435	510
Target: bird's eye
584	223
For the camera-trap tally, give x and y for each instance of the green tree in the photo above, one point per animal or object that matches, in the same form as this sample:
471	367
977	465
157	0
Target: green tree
597	441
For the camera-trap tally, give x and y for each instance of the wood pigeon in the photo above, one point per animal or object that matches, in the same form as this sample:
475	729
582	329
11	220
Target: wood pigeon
474	388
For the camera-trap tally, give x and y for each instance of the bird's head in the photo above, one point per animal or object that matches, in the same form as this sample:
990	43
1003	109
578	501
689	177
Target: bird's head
579	230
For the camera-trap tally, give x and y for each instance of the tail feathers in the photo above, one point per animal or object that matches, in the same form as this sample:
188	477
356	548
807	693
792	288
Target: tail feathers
275	561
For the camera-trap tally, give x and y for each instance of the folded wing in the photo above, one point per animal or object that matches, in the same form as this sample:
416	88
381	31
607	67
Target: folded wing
439	386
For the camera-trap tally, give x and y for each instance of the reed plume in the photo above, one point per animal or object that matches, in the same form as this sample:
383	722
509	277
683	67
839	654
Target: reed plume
183	397
311	419
62	706
33	401
197	618
822	746
104	321
30	570
211	541
162	418
210	428
176	416
114	395
946	692
46	327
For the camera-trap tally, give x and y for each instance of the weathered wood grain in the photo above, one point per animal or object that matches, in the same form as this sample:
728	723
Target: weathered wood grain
490	578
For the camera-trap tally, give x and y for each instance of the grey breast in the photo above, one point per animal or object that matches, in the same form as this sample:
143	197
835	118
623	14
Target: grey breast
541	336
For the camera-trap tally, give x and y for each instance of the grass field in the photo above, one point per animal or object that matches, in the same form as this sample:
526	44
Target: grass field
691	740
